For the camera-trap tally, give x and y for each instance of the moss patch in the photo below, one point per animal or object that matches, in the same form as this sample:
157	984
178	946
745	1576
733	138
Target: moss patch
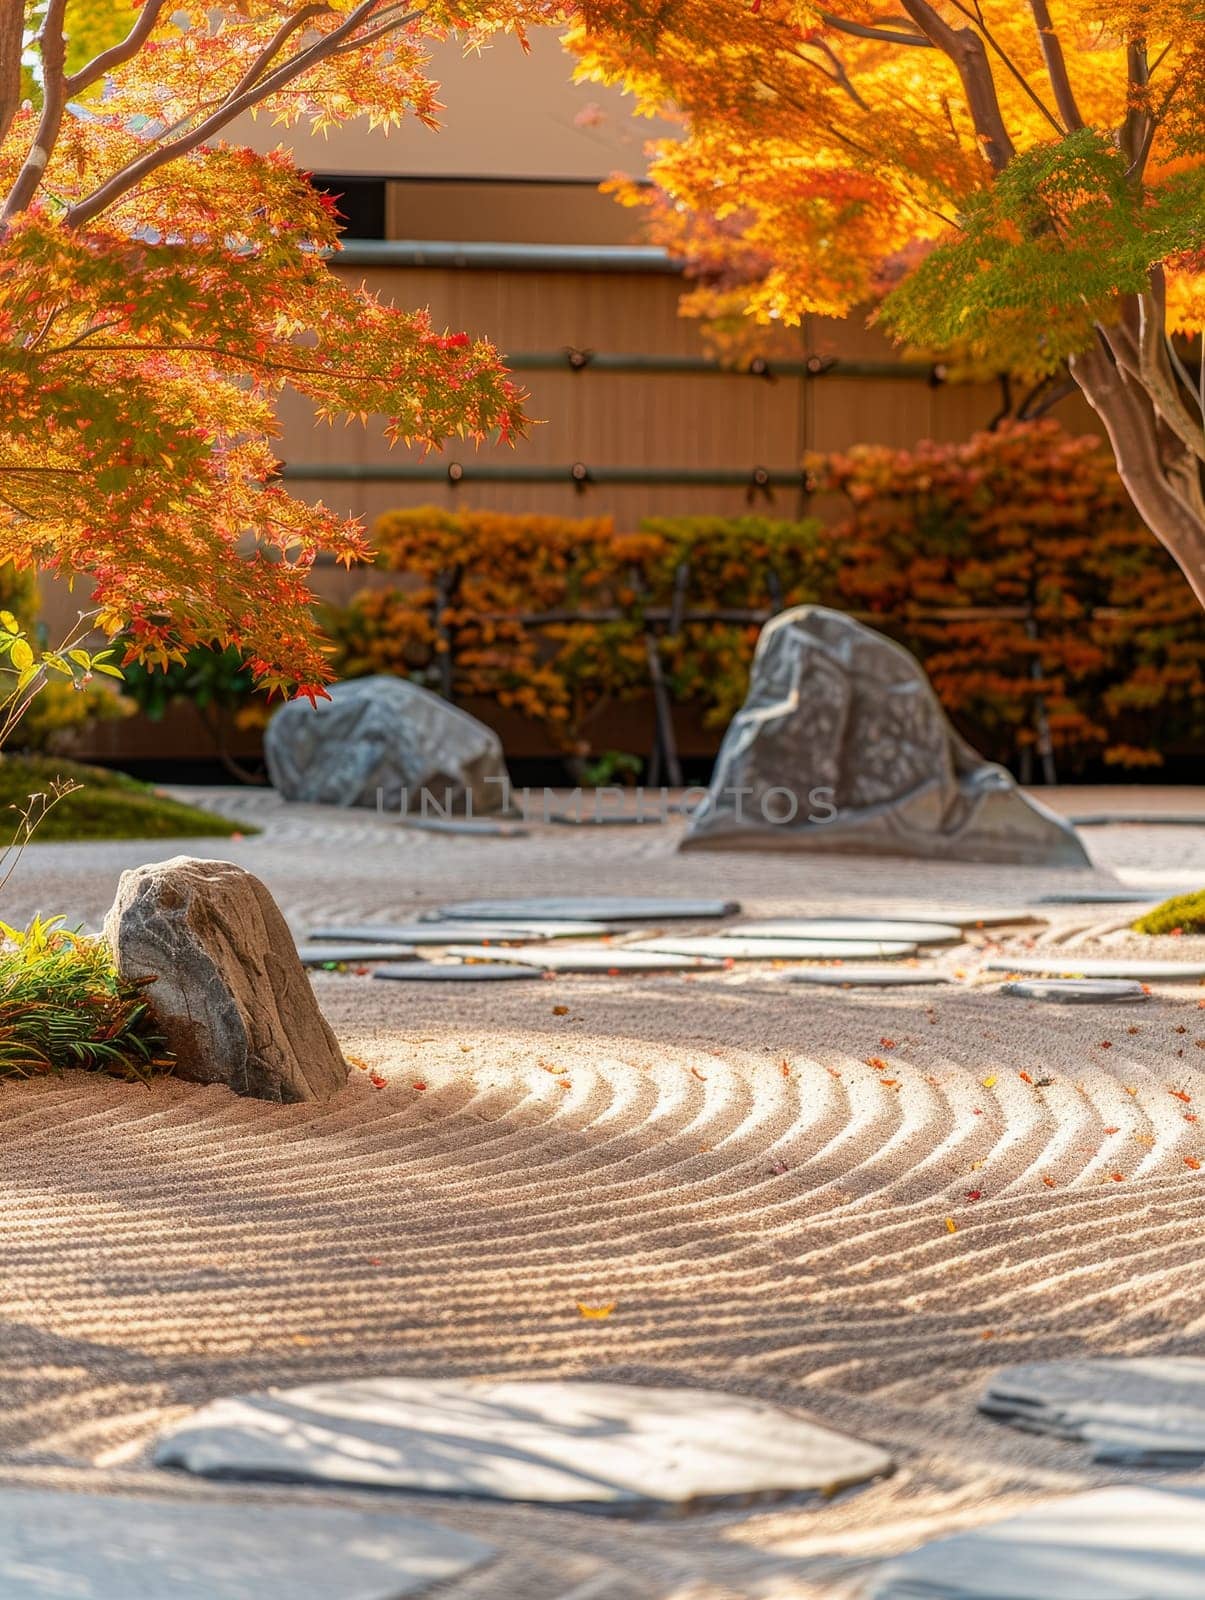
110	805
1183	912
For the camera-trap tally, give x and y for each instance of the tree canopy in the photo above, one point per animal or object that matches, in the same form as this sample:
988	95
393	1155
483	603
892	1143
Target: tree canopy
160	286
1020	182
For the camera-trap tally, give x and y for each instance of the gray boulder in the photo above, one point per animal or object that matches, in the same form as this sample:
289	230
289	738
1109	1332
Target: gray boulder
229	991
843	745
385	734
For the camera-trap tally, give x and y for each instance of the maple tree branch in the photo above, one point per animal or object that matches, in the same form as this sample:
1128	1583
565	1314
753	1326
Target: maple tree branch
124	50
274	46
12	34
1056	66
53	49
1008	61
1136	130
884	34
967	51
279	78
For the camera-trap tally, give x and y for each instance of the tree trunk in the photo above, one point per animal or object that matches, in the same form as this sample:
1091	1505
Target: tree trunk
12	32
1162	476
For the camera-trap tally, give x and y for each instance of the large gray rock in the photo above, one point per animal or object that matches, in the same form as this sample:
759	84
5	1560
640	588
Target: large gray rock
385	735
229	991
843	745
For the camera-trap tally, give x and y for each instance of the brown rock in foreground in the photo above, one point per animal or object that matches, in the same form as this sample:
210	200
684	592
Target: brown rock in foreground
842	745
229	990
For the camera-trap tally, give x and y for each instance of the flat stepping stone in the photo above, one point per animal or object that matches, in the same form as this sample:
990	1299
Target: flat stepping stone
566	819
584	958
587	1446
866	977
1072	966
1078	991
850	928
1143	1411
1105	897
452	972
590	908
1109	1544
436	933
728	947
321	955
1135	819
482	830
56	1546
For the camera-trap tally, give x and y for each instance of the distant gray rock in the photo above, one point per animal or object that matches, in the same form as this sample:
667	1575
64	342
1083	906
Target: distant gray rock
229	991
843	745
389	737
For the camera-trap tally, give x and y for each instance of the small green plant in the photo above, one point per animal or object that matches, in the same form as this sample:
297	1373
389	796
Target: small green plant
1183	913
63	1004
611	765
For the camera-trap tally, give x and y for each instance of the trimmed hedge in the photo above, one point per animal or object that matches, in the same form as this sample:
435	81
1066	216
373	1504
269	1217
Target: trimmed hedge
1099	629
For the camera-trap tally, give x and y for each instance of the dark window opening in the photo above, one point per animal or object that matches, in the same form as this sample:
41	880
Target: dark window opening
360	203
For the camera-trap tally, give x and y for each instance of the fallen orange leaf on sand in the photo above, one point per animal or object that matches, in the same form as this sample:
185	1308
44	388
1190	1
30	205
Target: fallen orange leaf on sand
1191	1161
702	1076
595	1313
951	1225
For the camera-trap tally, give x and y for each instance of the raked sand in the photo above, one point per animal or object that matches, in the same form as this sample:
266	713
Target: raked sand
714	1153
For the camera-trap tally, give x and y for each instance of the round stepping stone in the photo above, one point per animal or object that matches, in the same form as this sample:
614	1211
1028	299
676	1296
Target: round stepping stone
435	933
588	1446
729	948
1072	966
1110	1544
451	972
320	955
850	928
584	958
596	908
866	977
1138	1410
1078	991
56	1546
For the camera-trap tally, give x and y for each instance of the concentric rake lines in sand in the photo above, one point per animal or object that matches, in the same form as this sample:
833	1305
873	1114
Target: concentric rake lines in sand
778	1233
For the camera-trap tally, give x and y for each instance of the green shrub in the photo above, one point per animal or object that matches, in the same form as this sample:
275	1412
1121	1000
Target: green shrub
62	1004
1183	913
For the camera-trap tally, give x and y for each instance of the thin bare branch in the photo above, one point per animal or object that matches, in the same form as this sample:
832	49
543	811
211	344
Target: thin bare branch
1010	64
53	50
279	78
12	34
968	52
1056	66
116	55
884	34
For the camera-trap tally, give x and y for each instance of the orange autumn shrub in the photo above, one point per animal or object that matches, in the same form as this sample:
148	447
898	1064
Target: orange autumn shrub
1026	519
476	581
1096	627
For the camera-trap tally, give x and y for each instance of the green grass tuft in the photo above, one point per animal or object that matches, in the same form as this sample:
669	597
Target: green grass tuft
1183	912
62	1005
108	805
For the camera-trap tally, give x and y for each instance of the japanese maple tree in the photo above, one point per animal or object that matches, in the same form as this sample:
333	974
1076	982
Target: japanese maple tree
159	286
1018	182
